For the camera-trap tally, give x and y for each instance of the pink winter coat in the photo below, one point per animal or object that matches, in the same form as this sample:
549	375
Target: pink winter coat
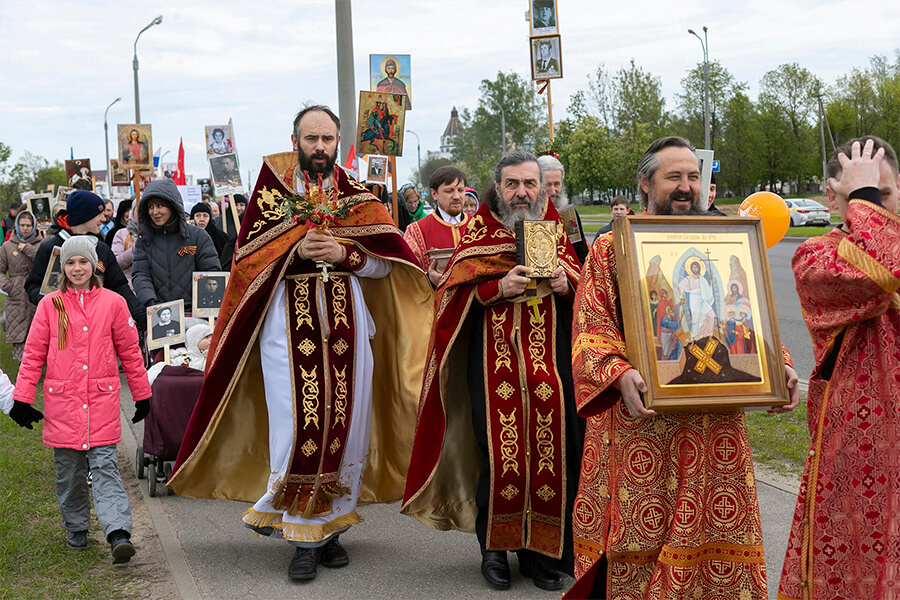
81	387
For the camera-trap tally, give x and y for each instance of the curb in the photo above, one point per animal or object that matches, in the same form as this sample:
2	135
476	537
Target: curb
185	583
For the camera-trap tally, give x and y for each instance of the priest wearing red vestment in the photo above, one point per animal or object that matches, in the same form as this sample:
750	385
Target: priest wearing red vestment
497	441
309	402
845	538
666	504
442	229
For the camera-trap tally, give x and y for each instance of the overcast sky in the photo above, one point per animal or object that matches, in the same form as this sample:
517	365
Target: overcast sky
257	62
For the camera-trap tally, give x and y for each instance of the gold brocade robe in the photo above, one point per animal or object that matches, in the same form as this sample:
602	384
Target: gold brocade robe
671	500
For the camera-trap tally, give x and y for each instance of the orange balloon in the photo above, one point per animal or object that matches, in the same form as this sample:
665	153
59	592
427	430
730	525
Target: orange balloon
776	218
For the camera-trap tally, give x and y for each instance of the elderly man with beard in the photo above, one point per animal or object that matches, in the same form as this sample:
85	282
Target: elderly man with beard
666	504
554	173
309	403
497	442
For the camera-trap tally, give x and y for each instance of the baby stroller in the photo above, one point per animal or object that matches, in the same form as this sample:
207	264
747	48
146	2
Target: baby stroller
175	392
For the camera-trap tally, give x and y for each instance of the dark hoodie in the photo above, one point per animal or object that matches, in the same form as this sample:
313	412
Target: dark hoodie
165	257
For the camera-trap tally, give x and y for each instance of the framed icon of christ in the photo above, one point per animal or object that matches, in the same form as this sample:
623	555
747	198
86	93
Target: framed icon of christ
699	313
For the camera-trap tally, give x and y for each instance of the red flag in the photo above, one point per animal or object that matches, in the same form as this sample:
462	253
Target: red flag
179	178
352	164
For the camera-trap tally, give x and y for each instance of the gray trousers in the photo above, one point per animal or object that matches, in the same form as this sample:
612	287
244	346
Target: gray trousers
110	498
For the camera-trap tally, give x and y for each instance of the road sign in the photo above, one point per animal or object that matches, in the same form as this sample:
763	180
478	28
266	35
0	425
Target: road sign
715	166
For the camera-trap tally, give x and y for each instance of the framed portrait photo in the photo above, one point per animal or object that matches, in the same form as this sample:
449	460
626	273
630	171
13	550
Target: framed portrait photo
542	15
50	282
219	140
699	313
166	324
208	292
118	173
546	58
226	174
380	125
39	206
377	172
135	146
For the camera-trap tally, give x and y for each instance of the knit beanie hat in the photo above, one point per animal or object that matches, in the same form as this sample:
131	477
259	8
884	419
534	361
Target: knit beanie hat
194	335
201	207
82	206
79	245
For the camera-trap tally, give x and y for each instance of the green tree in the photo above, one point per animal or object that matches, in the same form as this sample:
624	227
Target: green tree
722	88
738	150
639	101
478	146
31	172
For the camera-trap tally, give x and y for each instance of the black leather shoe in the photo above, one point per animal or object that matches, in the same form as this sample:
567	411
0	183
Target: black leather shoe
334	555
303	565
120	546
544	577
77	540
495	569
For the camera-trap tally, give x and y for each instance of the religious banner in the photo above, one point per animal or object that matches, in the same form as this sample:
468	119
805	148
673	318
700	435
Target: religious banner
135	142
699	312
390	74
380	124
79	169
546	58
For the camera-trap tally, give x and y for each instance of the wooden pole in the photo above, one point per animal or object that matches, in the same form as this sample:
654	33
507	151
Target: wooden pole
550	110
222	214
237	220
136	182
394	207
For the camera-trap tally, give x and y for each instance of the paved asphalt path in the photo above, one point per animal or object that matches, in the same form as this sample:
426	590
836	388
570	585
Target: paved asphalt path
213	557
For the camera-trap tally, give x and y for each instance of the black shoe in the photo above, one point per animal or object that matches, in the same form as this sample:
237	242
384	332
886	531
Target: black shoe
77	540
544	577
120	546
334	555
266	531
303	565
495	569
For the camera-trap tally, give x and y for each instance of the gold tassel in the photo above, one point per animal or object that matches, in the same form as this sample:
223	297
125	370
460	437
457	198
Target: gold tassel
310	506
292	509
278	500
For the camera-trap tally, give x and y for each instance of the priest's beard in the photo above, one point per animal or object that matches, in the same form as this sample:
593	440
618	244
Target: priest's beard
510	214
695	208
562	199
306	162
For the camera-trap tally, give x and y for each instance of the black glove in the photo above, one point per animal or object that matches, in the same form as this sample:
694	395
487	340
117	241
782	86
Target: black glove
25	414
141	410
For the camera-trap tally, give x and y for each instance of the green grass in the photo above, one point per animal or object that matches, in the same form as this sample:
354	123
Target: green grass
35	562
780	442
806	232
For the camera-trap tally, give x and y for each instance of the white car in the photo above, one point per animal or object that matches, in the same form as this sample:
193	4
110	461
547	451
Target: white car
807	212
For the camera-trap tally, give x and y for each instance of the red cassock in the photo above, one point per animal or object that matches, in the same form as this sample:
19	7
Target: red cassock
433	232
845	538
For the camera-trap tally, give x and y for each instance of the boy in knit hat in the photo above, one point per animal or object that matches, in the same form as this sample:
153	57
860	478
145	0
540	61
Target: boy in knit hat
83	215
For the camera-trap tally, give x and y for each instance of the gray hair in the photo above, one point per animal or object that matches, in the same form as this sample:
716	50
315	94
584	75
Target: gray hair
550	163
517	157
649	162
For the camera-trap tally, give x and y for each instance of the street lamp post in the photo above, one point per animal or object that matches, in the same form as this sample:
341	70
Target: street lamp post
704	42
106	140
502	125
418	156
134	65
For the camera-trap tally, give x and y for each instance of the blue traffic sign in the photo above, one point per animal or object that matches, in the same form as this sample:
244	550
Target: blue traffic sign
715	166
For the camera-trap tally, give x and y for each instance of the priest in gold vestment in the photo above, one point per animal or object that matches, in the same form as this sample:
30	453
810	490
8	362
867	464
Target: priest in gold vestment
666	505
308	406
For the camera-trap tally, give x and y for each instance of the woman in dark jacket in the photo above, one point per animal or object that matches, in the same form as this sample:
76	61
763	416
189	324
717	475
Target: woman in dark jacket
120	221
202	216
169	250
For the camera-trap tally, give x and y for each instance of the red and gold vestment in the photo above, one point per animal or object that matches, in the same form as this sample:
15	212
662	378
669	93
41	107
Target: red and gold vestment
225	451
524	401
433	232
670	501
845	538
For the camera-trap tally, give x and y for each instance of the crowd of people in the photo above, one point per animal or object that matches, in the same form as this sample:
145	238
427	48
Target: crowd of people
360	362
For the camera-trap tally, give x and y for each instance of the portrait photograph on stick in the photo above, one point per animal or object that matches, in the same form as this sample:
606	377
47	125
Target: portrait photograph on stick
377	169
546	58
166	324
226	174
208	292
543	17
39	206
219	140
50	282
119	174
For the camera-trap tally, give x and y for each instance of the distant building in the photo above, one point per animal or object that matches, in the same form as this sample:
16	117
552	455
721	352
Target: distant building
447	140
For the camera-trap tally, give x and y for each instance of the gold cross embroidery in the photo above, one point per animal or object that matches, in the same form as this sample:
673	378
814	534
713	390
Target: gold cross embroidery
704	357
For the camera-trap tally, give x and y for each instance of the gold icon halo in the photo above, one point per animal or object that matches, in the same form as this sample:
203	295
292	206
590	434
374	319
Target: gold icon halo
692	260
396	64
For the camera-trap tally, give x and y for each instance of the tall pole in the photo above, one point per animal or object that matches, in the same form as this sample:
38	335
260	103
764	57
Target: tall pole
418	156
549	111
134	65
346	82
822	141
106	141
704	43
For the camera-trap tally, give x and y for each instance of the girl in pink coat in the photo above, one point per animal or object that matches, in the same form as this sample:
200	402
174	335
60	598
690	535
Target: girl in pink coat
77	333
